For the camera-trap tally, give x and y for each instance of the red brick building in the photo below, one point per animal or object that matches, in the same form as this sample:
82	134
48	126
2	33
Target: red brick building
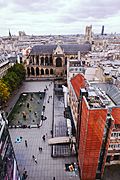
98	128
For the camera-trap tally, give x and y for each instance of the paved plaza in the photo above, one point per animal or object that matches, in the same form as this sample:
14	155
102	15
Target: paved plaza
46	166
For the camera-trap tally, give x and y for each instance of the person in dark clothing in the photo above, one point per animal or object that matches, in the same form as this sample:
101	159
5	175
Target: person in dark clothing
43	137
24	176
34	158
26	143
40	149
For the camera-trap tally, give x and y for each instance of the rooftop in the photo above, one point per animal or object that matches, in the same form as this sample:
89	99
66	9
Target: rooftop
3	60
67	48
98	99
110	90
78	82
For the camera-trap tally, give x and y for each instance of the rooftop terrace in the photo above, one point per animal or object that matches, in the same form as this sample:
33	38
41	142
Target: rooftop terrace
97	98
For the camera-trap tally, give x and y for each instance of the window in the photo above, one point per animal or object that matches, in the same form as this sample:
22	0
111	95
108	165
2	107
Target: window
59	62
108	159
111	145
116	157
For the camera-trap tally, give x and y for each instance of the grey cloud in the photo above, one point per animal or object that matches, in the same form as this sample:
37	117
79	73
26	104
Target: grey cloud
78	9
67	18
87	8
3	3
63	15
37	5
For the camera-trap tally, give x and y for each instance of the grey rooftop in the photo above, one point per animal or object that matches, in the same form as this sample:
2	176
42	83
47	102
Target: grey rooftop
67	48
111	90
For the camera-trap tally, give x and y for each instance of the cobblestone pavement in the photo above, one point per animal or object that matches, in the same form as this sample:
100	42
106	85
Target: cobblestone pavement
46	167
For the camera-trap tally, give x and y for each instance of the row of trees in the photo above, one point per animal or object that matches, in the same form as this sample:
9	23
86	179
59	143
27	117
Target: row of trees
11	81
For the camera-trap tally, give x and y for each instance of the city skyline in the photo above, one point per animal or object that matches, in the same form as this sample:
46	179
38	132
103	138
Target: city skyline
58	17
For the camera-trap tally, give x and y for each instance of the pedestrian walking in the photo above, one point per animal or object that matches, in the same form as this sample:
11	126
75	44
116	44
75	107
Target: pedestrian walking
25	175
34	158
40	149
43	137
26	143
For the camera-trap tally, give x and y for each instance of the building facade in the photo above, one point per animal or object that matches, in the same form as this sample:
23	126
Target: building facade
88	34
4	66
113	156
8	164
97	125
50	61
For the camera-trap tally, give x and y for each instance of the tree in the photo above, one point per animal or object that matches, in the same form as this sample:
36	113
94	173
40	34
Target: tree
4	92
14	76
12	80
19	70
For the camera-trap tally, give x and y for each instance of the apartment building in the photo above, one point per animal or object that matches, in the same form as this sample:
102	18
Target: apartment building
4	65
97	125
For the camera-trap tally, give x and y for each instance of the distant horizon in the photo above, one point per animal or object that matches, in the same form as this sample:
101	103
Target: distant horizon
50	34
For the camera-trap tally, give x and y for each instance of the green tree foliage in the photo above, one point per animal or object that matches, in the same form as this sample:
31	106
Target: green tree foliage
4	92
19	70
14	77
12	80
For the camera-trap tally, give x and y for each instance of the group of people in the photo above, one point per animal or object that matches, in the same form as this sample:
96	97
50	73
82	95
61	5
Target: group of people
34	158
40	149
49	98
25	175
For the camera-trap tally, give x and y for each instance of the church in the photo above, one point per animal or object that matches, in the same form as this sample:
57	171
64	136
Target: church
50	61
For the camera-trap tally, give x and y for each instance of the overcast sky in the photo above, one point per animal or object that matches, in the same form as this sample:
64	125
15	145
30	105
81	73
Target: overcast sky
58	16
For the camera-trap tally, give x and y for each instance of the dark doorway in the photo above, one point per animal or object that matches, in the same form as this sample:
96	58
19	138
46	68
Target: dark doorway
51	71
42	71
59	62
32	71
46	71
51	60
37	60
37	71
28	71
42	61
46	61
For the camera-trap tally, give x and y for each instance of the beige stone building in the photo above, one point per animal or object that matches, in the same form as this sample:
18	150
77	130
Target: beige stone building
50	61
88	34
